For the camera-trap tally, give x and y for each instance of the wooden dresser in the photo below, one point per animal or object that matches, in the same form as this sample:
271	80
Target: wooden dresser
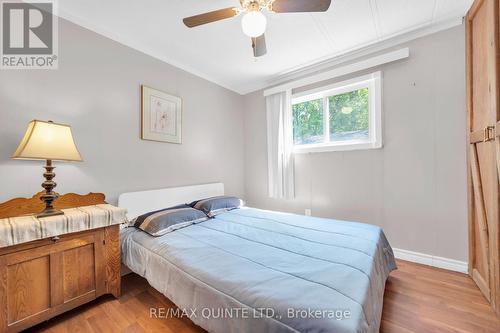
43	278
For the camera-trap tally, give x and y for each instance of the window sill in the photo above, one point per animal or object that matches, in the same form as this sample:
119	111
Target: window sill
322	148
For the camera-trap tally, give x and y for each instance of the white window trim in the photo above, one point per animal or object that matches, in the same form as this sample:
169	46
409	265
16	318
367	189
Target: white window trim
374	84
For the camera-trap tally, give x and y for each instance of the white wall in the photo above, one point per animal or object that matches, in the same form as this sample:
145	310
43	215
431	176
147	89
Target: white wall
97	90
415	186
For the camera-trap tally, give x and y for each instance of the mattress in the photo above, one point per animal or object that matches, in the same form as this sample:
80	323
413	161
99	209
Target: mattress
250	270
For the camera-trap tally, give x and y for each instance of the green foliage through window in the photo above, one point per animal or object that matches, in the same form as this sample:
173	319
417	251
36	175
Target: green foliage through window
348	118
308	122
349	115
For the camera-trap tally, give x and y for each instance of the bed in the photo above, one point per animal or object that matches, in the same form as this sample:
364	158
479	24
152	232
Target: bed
251	270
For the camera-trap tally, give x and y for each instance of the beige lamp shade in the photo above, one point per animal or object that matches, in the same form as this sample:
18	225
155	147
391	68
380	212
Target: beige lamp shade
47	141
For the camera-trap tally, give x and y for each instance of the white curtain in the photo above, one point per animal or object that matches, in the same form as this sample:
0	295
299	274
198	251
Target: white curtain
280	146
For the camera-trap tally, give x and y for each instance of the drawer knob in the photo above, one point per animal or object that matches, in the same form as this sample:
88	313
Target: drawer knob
55	238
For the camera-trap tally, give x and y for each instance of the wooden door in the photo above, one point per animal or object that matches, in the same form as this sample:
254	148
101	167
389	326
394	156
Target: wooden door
484	153
41	282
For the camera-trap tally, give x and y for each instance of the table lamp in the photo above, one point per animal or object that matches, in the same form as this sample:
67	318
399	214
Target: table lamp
46	140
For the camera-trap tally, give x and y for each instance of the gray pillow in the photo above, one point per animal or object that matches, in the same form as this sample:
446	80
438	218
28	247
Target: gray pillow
216	205
163	221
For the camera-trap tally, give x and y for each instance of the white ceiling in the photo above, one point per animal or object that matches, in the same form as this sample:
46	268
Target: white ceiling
221	53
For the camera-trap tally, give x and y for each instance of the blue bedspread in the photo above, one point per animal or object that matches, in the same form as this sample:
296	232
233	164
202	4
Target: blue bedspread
269	271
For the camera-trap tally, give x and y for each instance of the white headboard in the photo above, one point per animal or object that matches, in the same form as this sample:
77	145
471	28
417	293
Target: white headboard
138	203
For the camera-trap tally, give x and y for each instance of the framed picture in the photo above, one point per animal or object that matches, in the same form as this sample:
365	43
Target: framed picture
161	116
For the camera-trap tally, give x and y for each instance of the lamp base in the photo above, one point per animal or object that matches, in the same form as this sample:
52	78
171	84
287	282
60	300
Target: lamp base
49	196
50	212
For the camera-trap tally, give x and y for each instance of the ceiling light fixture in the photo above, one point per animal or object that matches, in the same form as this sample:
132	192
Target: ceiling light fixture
254	23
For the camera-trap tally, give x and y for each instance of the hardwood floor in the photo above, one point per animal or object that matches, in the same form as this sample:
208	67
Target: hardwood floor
420	298
417	299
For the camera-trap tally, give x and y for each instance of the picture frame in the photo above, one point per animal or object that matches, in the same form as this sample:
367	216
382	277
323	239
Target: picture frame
161	116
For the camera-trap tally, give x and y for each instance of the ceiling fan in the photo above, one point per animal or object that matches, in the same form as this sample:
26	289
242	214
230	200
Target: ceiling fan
254	21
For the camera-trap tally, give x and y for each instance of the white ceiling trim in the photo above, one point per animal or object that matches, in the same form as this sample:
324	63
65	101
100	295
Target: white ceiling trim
340	71
362	50
320	64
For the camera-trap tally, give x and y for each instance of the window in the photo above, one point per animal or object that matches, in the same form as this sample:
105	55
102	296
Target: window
343	116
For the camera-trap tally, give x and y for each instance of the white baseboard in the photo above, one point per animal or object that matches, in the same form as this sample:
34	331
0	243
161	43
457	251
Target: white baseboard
426	259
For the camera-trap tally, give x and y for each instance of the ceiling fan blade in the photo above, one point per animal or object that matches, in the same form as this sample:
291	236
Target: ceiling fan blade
216	15
259	46
297	6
